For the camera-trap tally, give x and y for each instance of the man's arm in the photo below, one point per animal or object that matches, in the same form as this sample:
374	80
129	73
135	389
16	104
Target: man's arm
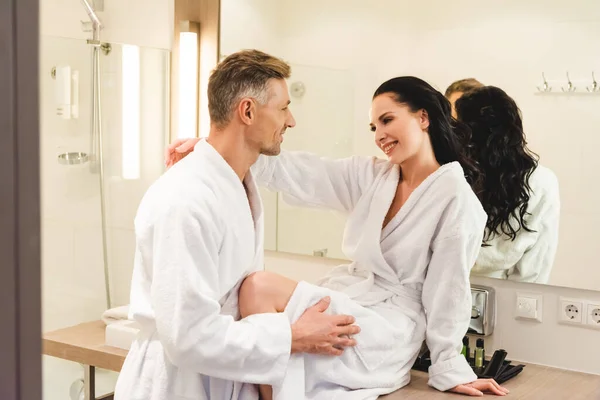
194	333
185	293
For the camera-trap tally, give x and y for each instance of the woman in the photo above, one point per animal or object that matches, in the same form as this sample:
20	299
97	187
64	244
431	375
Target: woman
414	230
520	197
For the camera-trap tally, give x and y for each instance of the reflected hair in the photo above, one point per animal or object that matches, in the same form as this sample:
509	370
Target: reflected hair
450	138
500	146
462	86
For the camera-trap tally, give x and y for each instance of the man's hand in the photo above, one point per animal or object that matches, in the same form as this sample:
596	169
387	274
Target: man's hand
319	333
178	150
479	386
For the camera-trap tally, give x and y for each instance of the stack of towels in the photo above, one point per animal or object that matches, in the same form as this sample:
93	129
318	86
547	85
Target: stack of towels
120	330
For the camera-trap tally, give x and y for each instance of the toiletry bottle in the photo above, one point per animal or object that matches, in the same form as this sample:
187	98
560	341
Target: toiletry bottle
465	349
479	354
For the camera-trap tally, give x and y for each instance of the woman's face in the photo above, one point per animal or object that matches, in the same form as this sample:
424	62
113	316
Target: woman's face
399	132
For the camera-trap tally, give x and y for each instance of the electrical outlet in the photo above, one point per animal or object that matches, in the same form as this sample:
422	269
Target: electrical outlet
592	314
570	311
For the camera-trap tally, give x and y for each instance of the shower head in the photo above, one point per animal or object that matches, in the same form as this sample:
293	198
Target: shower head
91	13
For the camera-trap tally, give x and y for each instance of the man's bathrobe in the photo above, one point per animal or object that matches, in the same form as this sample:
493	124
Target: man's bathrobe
407	282
530	257
198	234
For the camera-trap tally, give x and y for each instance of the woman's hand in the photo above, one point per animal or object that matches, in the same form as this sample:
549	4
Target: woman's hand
178	150
479	386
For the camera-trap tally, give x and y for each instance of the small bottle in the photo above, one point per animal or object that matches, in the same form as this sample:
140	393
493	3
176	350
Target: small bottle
479	354
465	349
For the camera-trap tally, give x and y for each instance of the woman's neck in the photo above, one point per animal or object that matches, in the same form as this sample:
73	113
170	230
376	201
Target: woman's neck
417	168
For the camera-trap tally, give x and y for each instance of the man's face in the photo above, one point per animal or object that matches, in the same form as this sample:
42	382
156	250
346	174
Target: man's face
453	97
273	119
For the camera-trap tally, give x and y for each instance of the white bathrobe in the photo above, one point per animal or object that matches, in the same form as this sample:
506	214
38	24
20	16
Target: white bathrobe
196	239
407	283
530	257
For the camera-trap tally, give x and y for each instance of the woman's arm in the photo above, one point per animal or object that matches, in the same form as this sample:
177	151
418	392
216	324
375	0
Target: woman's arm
309	180
447	300
303	178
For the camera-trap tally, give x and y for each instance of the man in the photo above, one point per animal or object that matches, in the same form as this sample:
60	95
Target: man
199	231
458	88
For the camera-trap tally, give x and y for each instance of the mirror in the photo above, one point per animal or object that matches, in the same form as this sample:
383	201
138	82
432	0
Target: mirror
538	53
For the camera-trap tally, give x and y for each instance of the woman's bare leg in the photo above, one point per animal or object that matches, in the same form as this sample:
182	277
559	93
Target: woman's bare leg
265	292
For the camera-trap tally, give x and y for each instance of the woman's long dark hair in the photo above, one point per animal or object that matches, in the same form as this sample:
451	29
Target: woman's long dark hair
501	151
450	138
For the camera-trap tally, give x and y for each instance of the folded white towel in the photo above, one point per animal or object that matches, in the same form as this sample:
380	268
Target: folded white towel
115	314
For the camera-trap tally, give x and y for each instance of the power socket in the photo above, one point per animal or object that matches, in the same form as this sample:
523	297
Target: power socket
592	315
570	311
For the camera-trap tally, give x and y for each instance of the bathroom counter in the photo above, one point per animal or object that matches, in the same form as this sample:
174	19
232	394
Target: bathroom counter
534	382
84	344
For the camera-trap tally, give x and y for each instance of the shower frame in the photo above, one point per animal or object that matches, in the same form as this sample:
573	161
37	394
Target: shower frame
96	157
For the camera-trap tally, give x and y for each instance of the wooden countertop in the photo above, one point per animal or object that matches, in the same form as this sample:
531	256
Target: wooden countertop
84	344
533	383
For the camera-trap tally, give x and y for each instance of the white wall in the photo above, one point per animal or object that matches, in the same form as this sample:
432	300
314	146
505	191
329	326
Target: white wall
507	44
254	24
546	343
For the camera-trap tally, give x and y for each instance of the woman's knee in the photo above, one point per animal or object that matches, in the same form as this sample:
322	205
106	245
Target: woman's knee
264	291
255	285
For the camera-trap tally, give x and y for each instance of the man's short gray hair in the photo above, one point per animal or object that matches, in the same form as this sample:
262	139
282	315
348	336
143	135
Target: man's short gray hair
242	74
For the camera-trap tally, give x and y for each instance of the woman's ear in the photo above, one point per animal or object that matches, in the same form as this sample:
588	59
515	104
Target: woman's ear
424	119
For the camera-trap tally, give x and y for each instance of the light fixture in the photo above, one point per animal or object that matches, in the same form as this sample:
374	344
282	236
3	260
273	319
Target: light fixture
130	116
188	80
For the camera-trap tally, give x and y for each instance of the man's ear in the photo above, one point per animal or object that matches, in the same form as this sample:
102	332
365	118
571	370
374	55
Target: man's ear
247	111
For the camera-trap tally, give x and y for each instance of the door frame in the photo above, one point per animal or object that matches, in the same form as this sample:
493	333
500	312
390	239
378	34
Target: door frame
20	252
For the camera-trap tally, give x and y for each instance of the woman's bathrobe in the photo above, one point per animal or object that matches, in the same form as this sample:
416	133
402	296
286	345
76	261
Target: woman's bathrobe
528	258
407	282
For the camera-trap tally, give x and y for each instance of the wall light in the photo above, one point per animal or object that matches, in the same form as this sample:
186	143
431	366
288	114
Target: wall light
188	80
130	112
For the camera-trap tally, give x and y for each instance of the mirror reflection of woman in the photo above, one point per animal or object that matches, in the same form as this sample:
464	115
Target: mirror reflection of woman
520	196
415	227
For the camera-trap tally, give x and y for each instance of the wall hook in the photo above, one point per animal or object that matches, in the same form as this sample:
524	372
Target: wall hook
570	87
594	87
545	86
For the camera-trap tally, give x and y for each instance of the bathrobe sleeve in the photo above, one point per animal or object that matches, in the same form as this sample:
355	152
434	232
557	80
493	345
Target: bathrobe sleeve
447	301
536	264
185	299
309	180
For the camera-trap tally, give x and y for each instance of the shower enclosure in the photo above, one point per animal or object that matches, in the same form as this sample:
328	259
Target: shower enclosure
103	128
